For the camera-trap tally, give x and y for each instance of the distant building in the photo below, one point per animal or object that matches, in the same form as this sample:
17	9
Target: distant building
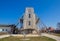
58	26
7	28
51	29
29	21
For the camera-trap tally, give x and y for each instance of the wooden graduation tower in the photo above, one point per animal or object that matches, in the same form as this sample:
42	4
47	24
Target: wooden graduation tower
29	21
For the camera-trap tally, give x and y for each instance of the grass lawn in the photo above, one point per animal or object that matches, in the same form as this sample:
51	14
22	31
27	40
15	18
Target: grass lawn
57	35
1	33
43	38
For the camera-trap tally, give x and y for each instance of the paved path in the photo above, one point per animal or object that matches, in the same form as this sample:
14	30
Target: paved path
3	36
51	36
29	35
43	34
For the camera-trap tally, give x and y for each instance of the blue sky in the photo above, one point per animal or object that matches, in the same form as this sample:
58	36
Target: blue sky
47	10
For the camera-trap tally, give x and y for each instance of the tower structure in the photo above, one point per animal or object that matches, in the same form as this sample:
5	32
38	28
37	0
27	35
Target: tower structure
29	21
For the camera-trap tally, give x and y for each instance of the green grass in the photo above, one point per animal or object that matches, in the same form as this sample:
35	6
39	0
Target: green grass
2	33
57	35
31	39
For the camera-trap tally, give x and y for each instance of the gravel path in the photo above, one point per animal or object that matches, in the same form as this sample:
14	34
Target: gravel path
51	36
43	34
3	36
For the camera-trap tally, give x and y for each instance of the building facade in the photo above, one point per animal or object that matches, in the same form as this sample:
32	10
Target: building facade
7	29
58	26
29	21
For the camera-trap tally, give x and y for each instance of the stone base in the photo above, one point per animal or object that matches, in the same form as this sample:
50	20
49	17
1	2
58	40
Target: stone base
25	39
29	31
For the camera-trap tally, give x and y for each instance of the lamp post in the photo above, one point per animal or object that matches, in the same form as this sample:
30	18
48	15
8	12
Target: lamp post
24	36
